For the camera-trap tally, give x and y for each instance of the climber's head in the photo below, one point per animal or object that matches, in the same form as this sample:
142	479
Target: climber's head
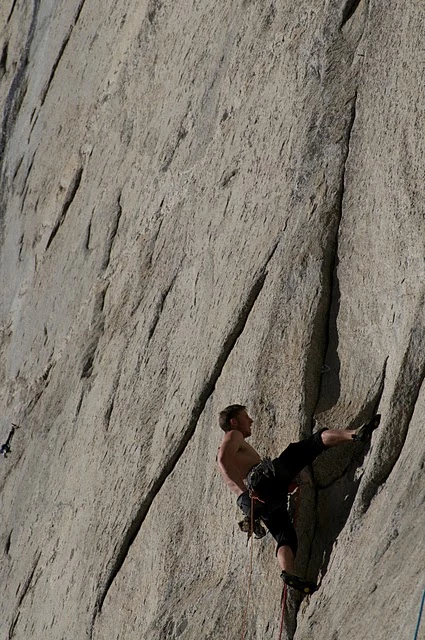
235	416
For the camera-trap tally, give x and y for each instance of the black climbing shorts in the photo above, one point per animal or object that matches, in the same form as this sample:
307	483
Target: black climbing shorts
279	524
274	491
299	455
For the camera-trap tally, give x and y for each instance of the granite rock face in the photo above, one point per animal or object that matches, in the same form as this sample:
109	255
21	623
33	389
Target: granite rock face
201	204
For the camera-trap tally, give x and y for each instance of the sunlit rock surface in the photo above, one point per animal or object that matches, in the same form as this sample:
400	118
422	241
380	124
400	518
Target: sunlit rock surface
207	203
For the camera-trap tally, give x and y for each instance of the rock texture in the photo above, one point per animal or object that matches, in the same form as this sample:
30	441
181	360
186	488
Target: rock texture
205	203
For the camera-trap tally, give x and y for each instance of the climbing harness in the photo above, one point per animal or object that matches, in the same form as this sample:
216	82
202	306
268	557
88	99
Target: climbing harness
263	469
421	608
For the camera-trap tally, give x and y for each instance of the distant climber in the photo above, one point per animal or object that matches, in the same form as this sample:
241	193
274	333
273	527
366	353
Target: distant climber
265	483
5	448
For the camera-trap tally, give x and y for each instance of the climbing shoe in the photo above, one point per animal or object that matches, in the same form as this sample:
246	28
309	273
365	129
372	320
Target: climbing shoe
300	584
364	433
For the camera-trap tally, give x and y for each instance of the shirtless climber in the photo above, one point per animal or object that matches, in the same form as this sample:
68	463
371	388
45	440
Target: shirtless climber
267	481
5	448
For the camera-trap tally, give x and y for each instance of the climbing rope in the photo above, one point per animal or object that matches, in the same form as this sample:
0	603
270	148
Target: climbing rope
251	531
282	615
421	608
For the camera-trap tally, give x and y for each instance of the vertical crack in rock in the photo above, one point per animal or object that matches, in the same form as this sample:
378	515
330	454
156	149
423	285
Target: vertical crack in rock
207	391
18	166
3	59
227	176
112	235
88	361
26	586
11	11
25	182
13	625
324	331
352	102
18	86
227	204
112	396
371	407
61	52
79	405
349	10
72	191
8	543
160	306
12	105
88	236
325	322
20	247
108	412
153	8
97	330
173	146
46	373
54	68
28	581
32	404
402	406
325	335
40	385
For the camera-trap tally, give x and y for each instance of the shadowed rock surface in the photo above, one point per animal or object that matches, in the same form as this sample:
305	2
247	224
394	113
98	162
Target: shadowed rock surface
201	204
